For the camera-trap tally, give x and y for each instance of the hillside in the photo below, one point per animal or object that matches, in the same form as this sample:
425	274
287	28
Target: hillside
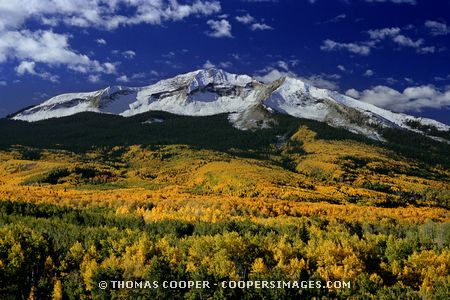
158	196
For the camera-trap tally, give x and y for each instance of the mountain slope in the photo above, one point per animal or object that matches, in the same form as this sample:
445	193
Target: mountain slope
210	92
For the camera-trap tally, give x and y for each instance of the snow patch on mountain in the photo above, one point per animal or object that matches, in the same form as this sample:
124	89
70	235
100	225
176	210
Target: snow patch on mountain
247	101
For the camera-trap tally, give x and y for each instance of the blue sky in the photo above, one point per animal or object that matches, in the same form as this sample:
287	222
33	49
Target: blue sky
392	53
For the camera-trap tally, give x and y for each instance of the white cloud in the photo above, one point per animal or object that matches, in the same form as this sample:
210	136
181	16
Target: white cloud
129	54
260	26
3	83
411	99
407	42
342	68
272	74
252	23
28	67
369	73
140	75
320	81
394	33
442	78
225	64
269	74
123	78
169	55
437	28
48	47
360	49
335	19
236	56
101	13
245	19
294	62
412	2
208	65
101	41
45	47
41	46
108	68
94	78
375	37
352	93
220	28
427	50
283	65
408	80
379	34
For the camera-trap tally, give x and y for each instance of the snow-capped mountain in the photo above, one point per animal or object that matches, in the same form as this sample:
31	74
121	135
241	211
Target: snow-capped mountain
248	102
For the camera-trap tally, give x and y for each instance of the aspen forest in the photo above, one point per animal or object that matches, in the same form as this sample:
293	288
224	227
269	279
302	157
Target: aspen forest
174	201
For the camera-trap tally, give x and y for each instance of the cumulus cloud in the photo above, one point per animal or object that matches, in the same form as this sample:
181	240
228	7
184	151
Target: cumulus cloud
352	93
405	41
208	65
342	68
322	81
123	78
269	74
44	46
335	19
282	68
220	28
410	99
412	2
94	78
283	65
253	23
245	19
375	37
260	26
104	14
395	35
427	50
379	34
101	41
437	28
40	46
369	73
28	67
400	39
129	54
442	78
225	64
360	49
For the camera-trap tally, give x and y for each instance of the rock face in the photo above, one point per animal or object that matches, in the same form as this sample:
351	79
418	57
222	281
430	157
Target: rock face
248	102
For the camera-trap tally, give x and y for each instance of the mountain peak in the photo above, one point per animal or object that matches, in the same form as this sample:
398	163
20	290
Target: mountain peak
214	91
